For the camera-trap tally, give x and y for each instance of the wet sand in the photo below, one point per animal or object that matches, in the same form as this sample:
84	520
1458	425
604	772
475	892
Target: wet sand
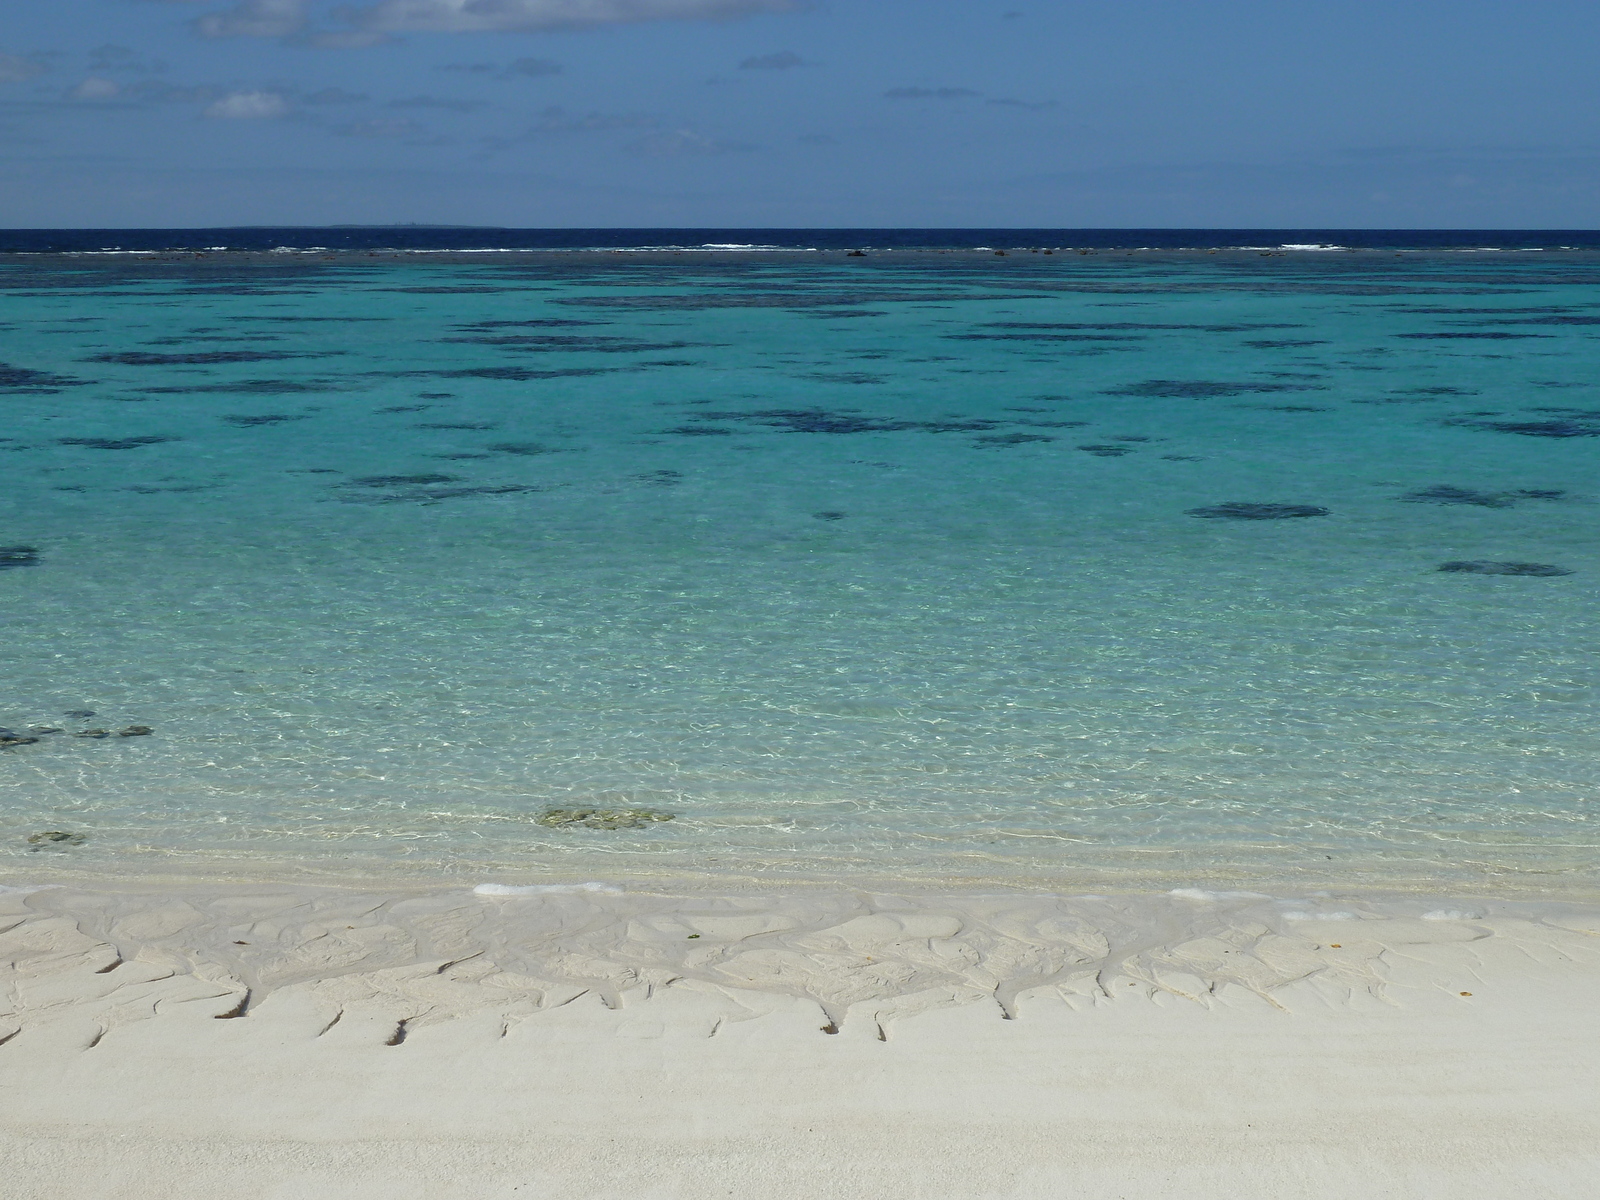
287	1041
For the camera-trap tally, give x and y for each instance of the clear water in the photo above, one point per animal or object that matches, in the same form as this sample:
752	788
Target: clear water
806	551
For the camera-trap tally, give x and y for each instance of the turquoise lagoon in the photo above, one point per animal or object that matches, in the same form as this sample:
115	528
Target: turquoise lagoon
886	568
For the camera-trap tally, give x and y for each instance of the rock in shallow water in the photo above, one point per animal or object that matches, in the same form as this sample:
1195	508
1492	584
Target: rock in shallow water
602	818
55	837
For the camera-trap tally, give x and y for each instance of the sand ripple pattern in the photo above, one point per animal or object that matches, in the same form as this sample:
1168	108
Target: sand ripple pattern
86	964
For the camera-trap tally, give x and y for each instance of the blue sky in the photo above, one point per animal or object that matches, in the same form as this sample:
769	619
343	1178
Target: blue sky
787	113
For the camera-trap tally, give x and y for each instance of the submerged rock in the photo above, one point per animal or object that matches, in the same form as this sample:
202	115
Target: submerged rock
82	714
135	731
93	733
7	738
1479	567
602	818
1242	511
55	837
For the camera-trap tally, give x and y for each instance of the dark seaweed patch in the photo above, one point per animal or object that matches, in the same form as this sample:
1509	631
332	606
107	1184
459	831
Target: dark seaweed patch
698	431
248	387
1482	334
1245	511
1124	325
521	448
817	420
23	381
142	358
796	300
1043	337
377	481
12	557
1011	439
473	425
844	377
421	488
1479	567
1552	320
517	374
1280	344
1581	427
129	443
539	323
1445	493
550	344
1200	389
263	418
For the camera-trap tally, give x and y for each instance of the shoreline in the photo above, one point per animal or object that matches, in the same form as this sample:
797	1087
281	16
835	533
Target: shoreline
281	1041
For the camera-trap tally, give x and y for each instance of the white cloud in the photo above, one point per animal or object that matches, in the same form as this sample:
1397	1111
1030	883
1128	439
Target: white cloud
255	18
678	143
249	106
289	18
94	88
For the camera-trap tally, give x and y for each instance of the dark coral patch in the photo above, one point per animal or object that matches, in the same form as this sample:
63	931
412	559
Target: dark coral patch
1479	567
247	419
22	381
129	443
1011	439
1200	389
1480	334
526	449
141	358
1586	426
1445	493
1245	511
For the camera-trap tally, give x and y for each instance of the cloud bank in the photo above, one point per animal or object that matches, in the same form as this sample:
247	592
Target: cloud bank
371	23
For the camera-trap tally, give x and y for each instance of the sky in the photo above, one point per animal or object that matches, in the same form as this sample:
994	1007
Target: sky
790	113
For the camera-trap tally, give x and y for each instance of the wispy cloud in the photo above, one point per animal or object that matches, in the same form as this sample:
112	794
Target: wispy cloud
678	143
249	106
444	102
121	58
334	95
255	18
94	88
365	25
783	60
519	68
14	68
923	93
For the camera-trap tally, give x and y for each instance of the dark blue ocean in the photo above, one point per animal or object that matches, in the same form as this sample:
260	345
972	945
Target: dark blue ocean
1120	558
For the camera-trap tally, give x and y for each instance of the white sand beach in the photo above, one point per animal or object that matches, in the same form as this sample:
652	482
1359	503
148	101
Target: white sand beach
295	1042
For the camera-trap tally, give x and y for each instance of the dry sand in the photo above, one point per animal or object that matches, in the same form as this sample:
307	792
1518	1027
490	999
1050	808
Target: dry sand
280	1041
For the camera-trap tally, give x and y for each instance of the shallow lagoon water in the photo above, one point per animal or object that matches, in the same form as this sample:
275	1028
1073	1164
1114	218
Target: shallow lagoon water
904	568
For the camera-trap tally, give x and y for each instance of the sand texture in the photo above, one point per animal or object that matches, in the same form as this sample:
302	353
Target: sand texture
292	1042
